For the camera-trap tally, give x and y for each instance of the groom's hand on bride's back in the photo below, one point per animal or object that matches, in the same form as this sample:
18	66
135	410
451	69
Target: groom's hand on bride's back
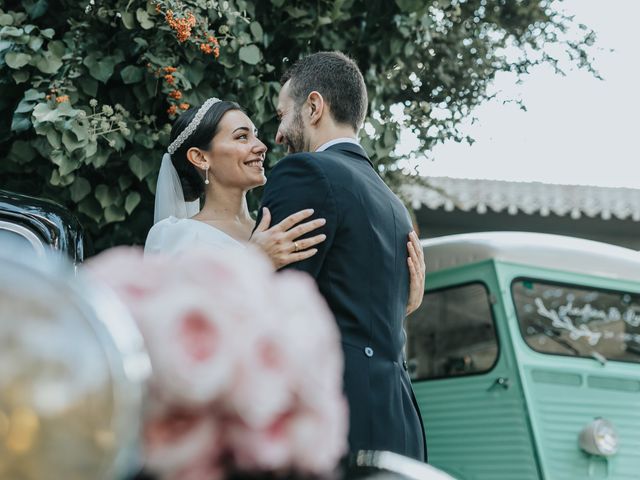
282	242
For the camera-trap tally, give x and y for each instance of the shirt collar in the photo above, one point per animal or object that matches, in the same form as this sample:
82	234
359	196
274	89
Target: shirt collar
335	141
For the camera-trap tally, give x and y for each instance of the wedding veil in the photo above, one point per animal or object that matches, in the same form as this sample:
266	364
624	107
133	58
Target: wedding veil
169	196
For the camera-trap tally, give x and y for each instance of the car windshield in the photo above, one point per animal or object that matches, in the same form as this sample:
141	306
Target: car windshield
578	321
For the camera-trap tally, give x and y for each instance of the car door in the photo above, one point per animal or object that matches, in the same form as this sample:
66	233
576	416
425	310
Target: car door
464	377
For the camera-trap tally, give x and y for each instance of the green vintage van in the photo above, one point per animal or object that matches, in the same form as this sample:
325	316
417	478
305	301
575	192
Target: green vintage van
525	357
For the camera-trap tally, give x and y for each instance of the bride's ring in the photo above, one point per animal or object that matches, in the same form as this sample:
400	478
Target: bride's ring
295	246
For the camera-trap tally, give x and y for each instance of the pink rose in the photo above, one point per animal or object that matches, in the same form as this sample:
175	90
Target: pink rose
179	439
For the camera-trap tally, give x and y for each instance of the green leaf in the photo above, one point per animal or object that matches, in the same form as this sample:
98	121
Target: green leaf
31	95
250	54
408	5
79	189
139	167
5	44
48	62
90	149
79	128
5	20
48	33
37	9
128	20
114	214
20	123
21	152
195	72
277	3
70	141
389	137
20	76
55	178
35	43
57	48
99	159
53	137
132	201
56	156
256	31
11	32
91	208
43	113
67	164
100	68
125	182
144	20
141	42
16	60
131	74
107	196
88	85
299	13
226	61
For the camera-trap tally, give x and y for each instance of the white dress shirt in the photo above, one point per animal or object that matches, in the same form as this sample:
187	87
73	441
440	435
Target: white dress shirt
335	141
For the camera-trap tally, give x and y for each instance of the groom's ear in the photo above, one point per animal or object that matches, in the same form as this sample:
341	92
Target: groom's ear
316	107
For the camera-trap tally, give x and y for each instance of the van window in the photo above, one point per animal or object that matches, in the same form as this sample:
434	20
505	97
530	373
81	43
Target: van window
452	334
578	321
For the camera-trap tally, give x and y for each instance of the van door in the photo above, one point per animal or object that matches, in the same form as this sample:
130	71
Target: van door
465	381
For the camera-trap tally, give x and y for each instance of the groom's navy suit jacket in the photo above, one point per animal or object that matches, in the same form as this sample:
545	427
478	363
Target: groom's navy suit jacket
361	269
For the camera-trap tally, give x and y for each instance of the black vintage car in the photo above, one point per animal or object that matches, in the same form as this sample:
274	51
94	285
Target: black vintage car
40	224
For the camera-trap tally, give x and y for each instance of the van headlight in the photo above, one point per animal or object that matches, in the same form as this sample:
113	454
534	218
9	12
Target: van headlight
599	438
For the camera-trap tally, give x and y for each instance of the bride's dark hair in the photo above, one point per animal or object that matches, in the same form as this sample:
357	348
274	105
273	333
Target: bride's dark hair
191	178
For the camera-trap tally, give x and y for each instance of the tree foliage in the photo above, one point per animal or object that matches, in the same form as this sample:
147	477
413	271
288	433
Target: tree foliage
90	87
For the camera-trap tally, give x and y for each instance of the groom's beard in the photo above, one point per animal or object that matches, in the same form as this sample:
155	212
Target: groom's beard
295	138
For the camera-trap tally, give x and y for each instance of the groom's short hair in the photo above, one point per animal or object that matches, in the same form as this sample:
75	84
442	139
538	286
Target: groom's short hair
337	78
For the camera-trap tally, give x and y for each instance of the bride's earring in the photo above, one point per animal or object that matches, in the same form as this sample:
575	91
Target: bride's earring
206	175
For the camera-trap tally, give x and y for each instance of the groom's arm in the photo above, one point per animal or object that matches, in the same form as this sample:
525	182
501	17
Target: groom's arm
296	183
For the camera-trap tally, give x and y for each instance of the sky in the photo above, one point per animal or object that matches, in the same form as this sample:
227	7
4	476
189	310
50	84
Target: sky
577	130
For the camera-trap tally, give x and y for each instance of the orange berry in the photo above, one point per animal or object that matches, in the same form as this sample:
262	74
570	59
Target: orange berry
172	110
170	79
184	106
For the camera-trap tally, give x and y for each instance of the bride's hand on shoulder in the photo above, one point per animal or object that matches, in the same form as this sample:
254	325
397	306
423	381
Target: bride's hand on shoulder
417	272
281	243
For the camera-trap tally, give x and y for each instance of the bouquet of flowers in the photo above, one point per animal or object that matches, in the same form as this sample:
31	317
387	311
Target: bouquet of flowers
247	364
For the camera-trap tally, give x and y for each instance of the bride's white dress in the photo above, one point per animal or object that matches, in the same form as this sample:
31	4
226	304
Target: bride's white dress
176	235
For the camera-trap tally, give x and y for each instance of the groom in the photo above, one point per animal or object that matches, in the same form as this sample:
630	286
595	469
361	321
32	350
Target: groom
361	267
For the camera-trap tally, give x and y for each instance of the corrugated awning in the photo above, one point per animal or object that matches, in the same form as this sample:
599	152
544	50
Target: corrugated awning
531	198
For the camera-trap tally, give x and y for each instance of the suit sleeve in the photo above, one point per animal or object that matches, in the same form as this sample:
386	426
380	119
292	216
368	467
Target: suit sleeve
297	183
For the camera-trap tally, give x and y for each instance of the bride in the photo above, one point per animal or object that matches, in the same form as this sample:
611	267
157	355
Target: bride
215	153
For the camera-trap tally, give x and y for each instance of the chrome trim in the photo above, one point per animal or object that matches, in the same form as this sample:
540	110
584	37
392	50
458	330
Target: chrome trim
400	464
27	234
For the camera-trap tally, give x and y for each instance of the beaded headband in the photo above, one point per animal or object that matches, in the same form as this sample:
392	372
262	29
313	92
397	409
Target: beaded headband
186	133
